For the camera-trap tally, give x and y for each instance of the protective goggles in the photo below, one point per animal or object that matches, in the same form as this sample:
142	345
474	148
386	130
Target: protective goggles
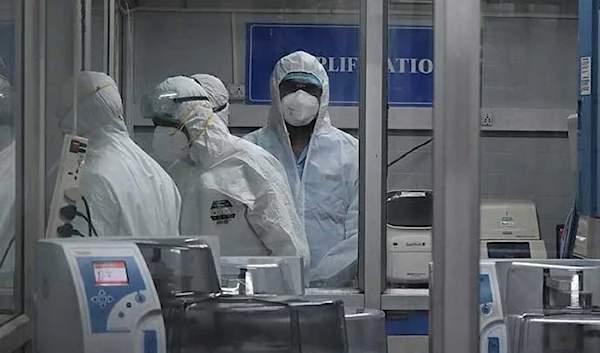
291	85
215	109
173	124
163	106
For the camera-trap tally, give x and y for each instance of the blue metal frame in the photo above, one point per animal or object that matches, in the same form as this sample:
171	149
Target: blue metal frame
588	127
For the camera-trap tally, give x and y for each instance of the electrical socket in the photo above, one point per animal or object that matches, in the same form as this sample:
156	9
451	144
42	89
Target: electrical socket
237	91
67	189
487	119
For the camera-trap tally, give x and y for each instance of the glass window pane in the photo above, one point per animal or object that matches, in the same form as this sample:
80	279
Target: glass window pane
409	197
8	226
98	41
529	88
262	192
264	196
409	171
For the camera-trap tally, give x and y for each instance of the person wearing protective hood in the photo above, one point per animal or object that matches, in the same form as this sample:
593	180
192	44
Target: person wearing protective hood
129	194
218	95
230	187
7	186
321	163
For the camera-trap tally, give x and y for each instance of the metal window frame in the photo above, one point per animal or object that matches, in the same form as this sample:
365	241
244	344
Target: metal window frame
30	132
373	141
454	286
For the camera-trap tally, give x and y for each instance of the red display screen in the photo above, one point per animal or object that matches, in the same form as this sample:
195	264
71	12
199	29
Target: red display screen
110	273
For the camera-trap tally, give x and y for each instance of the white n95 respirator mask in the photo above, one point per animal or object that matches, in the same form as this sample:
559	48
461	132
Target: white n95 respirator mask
299	108
169	144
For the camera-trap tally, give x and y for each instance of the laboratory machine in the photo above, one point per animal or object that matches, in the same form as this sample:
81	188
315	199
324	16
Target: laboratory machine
263	275
409	222
539	306
509	229
163	295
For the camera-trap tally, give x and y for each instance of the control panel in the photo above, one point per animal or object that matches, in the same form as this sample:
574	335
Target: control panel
115	292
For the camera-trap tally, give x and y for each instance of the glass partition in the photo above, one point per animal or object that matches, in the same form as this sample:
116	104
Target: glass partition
529	89
409	144
98	36
9	229
285	78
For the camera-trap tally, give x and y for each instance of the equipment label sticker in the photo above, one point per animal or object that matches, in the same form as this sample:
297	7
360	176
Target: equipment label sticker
222	211
585	80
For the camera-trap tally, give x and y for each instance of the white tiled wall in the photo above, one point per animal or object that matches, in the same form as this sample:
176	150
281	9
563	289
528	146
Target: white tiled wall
529	63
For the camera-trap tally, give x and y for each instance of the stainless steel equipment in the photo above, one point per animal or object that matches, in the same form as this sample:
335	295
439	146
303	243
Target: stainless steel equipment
543	306
248	324
178	267
120	296
262	275
567	320
366	331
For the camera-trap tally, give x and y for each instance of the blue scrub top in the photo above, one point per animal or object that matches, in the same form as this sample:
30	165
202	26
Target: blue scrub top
301	161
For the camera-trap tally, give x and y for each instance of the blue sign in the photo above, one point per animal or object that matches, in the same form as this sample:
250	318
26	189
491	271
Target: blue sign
410	61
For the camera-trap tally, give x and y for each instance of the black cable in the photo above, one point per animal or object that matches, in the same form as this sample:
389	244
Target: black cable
409	152
5	255
91	227
89	217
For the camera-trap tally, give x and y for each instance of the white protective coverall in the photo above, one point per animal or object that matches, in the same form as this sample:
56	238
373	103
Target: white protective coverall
327	192
7	186
217	94
230	187
128	192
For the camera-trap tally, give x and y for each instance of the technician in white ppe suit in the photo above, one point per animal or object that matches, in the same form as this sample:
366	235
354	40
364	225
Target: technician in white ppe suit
321	163
230	187
7	186
128	192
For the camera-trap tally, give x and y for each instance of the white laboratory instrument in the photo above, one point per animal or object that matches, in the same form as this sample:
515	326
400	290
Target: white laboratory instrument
67	190
509	230
263	275
162	295
410	218
96	296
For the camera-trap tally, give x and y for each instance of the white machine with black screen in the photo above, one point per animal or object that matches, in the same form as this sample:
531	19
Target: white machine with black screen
410	217
509	230
96	297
